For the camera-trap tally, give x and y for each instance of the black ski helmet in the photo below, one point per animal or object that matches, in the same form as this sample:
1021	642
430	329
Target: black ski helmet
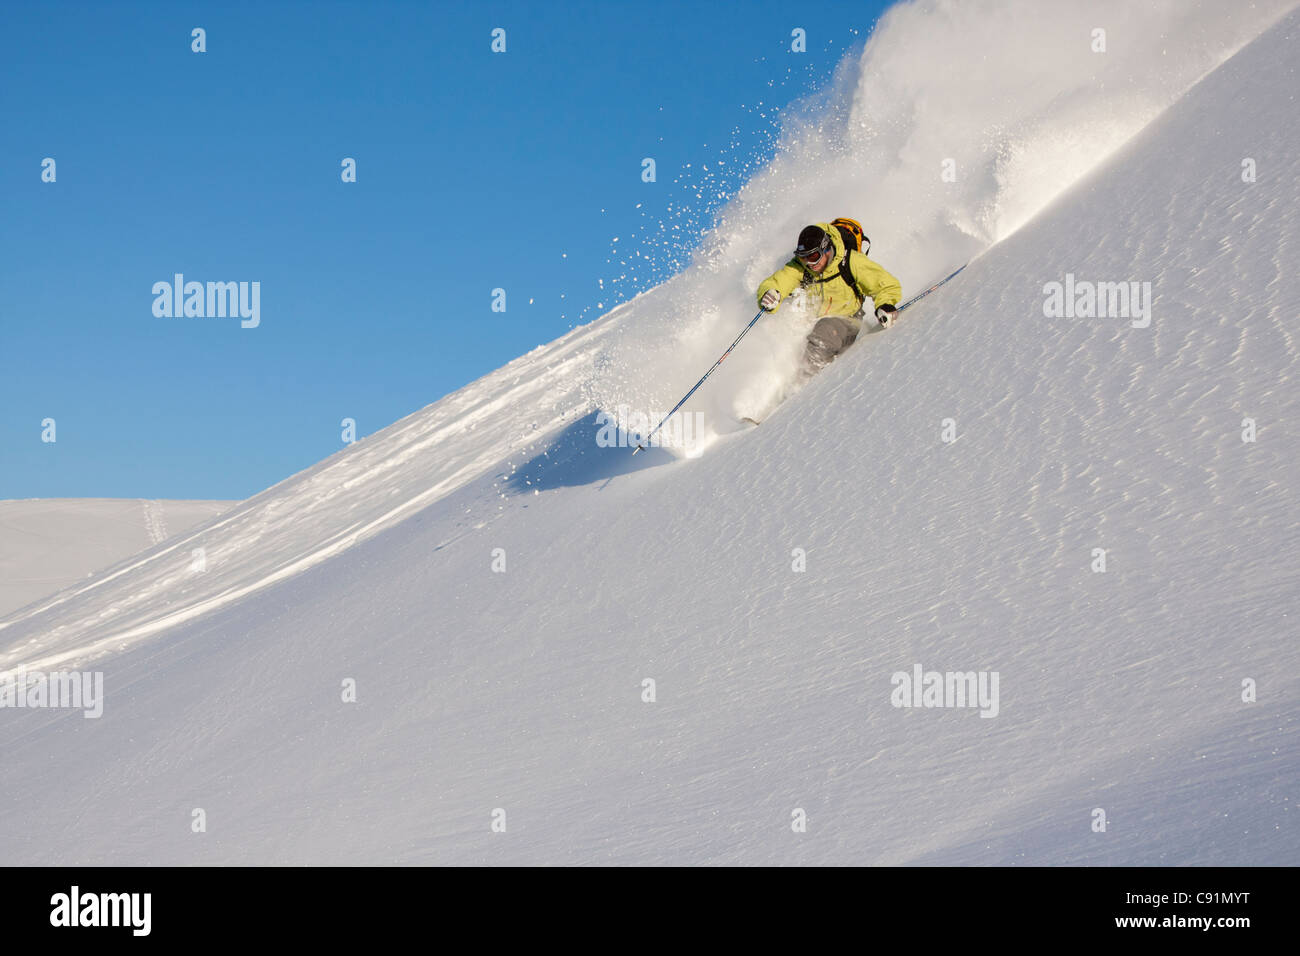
813	239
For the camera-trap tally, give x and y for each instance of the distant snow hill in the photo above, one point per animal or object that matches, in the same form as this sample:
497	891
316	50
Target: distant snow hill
49	543
479	637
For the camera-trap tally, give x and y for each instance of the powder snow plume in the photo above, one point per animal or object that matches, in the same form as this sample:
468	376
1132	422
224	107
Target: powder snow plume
1011	97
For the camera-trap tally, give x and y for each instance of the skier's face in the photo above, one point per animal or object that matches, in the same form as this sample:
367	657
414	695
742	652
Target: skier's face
818	264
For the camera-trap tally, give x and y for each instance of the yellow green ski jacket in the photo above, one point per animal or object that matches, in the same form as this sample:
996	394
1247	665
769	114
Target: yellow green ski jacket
829	293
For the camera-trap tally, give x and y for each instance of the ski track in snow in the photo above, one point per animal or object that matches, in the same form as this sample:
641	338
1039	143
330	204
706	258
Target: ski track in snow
310	517
155	524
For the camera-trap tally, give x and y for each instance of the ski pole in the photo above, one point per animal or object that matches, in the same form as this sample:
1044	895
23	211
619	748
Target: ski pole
922	295
641	444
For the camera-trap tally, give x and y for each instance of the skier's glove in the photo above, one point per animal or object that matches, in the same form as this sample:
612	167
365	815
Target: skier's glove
770	299
885	316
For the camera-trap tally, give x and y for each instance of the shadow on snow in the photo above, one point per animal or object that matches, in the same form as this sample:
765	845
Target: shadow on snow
573	458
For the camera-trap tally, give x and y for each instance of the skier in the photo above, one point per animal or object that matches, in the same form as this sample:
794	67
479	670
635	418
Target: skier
838	280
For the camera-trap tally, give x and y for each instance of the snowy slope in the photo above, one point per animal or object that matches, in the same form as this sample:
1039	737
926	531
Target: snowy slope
522	690
874	143
50	543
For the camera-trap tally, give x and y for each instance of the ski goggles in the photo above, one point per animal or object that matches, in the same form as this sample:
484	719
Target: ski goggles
812	255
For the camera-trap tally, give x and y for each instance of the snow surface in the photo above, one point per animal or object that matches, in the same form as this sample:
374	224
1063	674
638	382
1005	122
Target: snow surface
49	543
522	690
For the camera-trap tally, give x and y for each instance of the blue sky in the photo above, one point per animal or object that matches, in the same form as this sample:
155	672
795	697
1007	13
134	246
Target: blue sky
475	170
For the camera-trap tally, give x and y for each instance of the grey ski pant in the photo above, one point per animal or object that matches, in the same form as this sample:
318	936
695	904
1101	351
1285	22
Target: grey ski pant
829	337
